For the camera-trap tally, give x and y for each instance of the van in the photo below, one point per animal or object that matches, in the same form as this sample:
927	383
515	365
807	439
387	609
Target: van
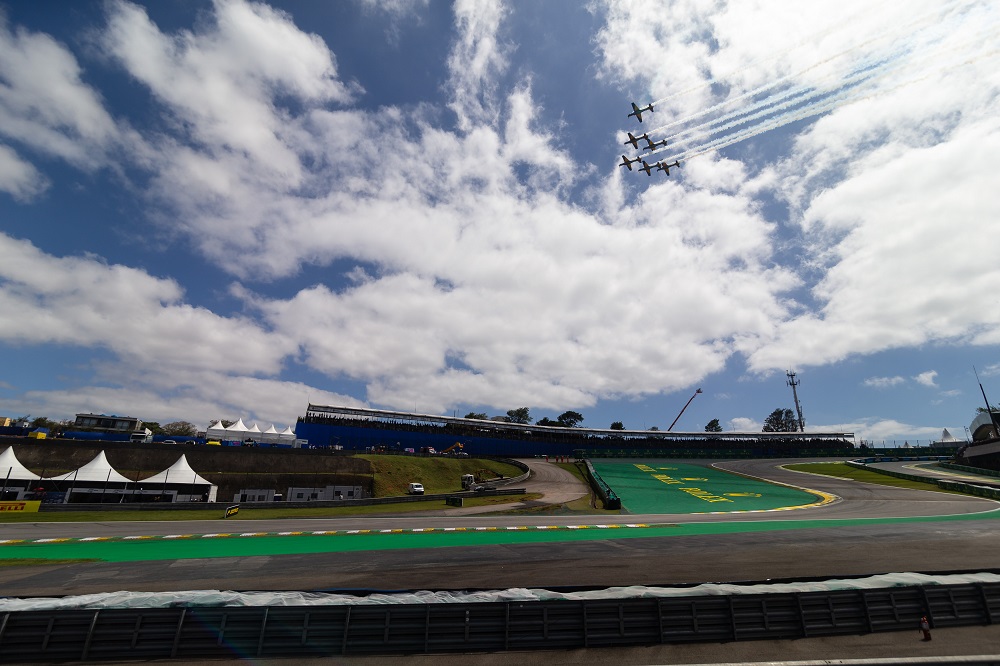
415	489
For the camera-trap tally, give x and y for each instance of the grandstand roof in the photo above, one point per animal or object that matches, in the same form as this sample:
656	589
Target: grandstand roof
487	425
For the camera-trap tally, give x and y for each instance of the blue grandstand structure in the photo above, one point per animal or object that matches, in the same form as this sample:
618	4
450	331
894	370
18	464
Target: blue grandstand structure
362	429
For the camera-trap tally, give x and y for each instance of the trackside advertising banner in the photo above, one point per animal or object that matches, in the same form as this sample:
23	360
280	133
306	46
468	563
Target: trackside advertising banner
232	510
27	506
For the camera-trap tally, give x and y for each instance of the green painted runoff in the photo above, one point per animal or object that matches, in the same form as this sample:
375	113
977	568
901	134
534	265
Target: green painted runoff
668	487
198	547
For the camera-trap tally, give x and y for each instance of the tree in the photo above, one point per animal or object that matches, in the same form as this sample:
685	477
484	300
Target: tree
477	415
713	426
993	408
546	421
226	423
43	422
655	429
570	419
154	427
519	415
781	420
617	425
181	428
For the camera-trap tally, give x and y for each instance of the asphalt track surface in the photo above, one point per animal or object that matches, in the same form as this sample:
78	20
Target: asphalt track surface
865	529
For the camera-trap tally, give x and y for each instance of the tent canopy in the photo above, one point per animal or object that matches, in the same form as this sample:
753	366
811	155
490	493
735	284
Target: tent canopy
179	472
98	469
11	468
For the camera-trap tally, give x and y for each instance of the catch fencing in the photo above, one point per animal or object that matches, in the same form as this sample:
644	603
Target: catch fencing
190	633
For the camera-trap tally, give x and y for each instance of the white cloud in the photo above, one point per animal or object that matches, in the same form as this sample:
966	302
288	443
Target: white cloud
926	378
85	302
18	178
743	424
201	397
476	59
46	106
225	81
476	274
490	287
883	382
891	432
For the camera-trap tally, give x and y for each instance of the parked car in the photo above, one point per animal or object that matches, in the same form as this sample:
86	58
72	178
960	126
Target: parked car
415	489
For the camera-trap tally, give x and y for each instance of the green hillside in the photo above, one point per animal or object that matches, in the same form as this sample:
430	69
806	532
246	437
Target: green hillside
439	474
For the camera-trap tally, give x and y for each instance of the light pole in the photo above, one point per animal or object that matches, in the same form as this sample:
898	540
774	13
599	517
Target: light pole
798	408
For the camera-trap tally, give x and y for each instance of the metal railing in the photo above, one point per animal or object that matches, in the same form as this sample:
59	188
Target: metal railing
289	631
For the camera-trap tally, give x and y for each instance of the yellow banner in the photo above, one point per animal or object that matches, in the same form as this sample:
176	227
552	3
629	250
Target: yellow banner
232	510
29	506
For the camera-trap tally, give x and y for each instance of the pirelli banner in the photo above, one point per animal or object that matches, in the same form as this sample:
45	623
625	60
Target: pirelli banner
26	506
232	510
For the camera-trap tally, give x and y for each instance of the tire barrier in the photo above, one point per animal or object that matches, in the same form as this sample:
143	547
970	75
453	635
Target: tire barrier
608	497
190	633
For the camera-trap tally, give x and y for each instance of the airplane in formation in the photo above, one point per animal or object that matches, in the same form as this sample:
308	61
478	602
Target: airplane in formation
637	112
653	145
627	163
646	167
634	140
663	166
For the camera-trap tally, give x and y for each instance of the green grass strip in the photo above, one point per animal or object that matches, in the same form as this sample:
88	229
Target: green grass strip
159	549
845	471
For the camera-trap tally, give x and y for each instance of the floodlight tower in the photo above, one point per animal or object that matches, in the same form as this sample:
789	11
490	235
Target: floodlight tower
798	408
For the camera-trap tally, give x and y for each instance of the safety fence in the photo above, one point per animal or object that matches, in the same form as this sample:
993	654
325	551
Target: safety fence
604	492
288	631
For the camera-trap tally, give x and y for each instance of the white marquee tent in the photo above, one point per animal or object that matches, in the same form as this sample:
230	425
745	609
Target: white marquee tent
98	469
12	469
216	431
179	472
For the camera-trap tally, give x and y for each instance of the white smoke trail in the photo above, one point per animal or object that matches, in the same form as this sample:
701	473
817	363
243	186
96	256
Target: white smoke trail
719	80
897	32
774	104
809	112
860	85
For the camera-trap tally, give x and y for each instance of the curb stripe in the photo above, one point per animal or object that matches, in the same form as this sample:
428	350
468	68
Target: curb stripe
338	533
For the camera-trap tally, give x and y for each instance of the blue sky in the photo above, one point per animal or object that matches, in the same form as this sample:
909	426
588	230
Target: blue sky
231	209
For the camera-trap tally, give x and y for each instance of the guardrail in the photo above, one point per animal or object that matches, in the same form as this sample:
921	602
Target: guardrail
603	490
945	484
290	631
974	470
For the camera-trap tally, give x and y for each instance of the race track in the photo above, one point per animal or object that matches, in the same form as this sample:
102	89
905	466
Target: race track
868	529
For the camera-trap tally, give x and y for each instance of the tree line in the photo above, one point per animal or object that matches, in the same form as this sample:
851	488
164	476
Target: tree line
780	420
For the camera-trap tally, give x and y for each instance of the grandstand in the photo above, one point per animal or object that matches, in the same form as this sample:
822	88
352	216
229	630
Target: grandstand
356	428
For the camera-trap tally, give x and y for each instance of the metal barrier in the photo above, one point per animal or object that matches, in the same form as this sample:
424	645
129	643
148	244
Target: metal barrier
288	631
603	490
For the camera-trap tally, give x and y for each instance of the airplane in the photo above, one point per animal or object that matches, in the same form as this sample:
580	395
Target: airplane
637	112
653	145
627	163
646	167
634	140
663	166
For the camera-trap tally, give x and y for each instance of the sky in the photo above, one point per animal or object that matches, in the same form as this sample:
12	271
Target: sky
231	209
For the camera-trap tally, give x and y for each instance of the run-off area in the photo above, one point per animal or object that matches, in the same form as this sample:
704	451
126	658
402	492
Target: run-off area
667	487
